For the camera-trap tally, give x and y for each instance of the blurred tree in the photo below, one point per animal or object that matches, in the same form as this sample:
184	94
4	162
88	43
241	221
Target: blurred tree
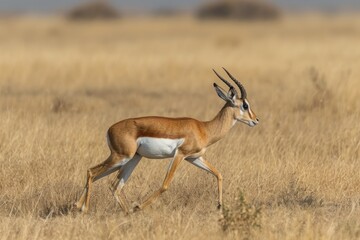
95	9
239	9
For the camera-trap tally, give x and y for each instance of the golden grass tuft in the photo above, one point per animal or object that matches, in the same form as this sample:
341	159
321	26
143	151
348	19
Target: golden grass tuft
63	84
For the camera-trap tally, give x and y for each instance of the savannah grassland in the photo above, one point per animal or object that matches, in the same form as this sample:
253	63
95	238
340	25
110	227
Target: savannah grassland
63	84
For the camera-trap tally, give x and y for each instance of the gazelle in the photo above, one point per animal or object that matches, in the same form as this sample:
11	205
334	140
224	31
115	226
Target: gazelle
160	137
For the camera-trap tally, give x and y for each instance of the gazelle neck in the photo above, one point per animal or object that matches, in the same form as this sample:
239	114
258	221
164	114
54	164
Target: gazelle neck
220	125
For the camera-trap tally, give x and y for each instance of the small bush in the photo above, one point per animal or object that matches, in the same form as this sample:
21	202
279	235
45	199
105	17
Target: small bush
241	217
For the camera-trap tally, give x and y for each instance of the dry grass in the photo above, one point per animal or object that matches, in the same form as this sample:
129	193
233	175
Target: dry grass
63	84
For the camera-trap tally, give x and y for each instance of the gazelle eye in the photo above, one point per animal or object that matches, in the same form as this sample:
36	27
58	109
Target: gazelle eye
245	106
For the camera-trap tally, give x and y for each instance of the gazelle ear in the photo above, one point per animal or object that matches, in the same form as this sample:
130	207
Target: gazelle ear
231	94
229	97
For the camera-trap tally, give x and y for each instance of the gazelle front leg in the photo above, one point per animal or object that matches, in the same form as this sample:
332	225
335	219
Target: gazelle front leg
205	165
169	177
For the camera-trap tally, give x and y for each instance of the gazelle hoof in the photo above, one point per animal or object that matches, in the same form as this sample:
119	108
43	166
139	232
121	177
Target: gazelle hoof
77	206
84	209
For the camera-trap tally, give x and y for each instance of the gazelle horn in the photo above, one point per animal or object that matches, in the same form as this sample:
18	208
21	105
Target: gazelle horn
241	87
227	83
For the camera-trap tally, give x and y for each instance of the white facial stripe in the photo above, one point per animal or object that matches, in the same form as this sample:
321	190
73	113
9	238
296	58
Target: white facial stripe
242	110
246	120
151	147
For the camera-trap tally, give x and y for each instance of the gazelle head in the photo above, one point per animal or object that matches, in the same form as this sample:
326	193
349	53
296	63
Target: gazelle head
240	104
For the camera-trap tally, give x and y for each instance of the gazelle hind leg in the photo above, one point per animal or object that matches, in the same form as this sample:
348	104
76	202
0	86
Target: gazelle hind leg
80	203
113	163
120	180
81	200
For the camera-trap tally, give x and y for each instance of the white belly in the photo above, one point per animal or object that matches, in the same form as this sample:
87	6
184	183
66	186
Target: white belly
150	147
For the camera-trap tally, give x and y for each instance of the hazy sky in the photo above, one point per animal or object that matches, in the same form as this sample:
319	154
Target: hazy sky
54	5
